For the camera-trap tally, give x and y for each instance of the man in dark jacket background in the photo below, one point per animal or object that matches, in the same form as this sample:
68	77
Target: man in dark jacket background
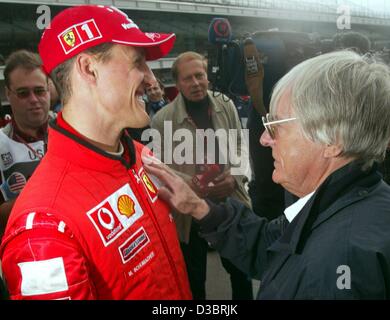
328	124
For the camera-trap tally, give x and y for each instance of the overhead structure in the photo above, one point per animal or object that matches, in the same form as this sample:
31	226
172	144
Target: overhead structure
309	10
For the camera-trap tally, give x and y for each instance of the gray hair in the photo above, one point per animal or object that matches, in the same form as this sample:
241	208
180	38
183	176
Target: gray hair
341	98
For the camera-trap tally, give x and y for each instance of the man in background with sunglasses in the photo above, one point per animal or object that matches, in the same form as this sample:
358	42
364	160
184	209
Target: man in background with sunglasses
328	126
23	140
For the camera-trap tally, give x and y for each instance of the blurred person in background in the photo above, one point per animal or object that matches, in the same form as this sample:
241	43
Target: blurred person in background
23	140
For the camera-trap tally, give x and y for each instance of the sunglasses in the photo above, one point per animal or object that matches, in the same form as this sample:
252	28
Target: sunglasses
24	93
269	124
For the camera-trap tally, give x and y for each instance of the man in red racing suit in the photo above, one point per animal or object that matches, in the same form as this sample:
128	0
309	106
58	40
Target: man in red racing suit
89	223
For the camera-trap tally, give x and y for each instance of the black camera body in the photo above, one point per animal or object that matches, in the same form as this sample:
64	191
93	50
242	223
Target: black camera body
279	51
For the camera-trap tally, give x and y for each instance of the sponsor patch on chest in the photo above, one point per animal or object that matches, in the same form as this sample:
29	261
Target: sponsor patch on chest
150	184
133	245
115	214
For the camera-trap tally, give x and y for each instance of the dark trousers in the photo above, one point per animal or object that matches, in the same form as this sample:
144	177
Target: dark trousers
195	256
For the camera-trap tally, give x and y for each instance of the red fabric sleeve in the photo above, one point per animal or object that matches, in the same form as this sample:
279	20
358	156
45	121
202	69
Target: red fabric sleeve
44	263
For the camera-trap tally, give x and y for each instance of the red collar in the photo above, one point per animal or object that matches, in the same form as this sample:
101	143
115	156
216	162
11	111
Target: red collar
65	142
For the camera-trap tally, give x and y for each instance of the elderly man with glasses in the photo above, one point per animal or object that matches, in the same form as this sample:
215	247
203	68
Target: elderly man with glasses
23	140
328	126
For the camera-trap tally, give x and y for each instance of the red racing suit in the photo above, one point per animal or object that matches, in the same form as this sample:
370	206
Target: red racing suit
89	225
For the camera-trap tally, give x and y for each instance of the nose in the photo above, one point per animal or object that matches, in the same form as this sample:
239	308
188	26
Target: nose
33	97
266	140
195	81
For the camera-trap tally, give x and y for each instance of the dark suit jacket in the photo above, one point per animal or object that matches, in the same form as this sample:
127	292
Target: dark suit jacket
337	247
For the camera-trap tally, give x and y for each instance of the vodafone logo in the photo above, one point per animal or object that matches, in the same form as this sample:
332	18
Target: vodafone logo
103	214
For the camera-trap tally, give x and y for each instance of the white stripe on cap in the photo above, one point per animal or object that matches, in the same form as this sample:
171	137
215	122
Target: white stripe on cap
42	277
30	220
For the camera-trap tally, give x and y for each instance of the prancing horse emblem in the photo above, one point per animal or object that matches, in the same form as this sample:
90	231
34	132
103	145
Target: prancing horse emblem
69	38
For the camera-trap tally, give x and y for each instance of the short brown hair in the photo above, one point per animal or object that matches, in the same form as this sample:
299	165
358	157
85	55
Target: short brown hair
21	58
186	56
60	75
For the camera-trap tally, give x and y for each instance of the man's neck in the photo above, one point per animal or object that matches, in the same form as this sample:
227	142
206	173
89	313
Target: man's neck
26	131
311	184
98	132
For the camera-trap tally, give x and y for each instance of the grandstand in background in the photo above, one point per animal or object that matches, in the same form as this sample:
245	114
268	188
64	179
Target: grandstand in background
190	20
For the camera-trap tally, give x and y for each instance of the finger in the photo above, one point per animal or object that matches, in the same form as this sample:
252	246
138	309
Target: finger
151	163
160	173
148	159
165	194
155	162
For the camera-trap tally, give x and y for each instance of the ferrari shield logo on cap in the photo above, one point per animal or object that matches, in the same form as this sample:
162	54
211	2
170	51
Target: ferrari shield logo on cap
79	34
69	38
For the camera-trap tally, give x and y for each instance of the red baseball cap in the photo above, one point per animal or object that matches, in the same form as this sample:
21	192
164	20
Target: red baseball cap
79	28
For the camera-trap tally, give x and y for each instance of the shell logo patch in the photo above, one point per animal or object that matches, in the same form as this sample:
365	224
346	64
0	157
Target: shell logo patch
126	205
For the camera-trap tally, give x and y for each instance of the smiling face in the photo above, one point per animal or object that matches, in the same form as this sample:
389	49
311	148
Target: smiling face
299	162
29	98
121	84
192	79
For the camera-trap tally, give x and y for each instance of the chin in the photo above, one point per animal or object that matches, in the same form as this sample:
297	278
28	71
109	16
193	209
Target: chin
140	122
276	177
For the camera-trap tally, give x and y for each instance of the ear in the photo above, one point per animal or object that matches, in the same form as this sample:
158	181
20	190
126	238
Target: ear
332	151
85	66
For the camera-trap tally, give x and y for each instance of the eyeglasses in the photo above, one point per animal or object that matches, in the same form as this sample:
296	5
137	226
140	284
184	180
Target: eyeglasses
269	124
24	93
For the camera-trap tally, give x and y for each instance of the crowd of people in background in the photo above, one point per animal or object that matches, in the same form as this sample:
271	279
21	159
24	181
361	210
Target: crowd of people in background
94	222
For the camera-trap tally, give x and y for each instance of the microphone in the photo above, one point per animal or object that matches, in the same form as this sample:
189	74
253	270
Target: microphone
220	31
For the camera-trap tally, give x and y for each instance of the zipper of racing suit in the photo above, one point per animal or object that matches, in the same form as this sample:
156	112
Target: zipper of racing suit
156	225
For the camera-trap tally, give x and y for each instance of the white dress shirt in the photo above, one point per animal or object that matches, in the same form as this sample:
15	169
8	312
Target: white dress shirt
291	211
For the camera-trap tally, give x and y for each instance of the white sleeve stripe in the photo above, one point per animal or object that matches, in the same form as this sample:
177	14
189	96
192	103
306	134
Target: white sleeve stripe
30	220
43	277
